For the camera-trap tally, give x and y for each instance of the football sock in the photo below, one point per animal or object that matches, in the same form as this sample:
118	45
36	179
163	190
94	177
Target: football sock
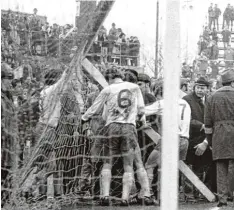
150	177
144	181
105	182
127	185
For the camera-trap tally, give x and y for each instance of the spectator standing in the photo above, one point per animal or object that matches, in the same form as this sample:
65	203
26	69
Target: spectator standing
103	42
199	154
13	32
206	34
219	128
23	30
229	57
203	64
227	16
35	28
217	14
232	16
34	21
123	48
226	37
186	71
135	50
214	35
202	45
214	51
113	32
215	69
211	13
112	37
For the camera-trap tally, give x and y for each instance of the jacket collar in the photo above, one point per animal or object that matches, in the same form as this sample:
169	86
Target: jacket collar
225	89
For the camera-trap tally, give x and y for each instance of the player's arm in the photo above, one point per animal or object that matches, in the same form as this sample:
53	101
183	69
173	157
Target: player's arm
97	105
196	124
155	108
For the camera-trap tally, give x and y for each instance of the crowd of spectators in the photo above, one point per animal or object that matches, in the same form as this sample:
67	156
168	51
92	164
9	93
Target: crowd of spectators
212	42
32	34
30	73
214	13
209	59
115	47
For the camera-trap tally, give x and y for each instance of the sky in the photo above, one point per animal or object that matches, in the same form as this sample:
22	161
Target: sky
135	17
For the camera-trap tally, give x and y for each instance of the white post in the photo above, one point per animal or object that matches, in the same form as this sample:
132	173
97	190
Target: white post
169	171
77	8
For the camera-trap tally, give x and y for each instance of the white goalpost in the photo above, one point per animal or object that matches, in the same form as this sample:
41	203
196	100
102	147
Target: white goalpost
170	147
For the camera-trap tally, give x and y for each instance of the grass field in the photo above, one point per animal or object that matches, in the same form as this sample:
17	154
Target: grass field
182	207
207	206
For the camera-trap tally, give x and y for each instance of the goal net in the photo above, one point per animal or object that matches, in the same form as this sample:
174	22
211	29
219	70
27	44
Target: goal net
46	150
49	147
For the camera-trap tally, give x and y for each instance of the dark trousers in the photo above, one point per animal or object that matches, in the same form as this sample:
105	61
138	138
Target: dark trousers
211	21
225	44
227	22
216	22
203	167
225	179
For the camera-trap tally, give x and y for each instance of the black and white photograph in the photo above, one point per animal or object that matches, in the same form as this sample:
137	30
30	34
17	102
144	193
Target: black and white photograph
117	104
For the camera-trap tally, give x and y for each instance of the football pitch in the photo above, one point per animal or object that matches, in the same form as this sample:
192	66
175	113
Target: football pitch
207	206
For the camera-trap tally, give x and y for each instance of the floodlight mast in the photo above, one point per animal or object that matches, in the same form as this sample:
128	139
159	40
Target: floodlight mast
170	145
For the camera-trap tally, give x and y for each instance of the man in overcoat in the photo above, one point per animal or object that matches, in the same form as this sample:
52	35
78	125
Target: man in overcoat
219	128
199	155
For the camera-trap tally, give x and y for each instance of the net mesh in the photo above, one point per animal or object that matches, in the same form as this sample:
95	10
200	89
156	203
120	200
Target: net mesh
46	150
54	161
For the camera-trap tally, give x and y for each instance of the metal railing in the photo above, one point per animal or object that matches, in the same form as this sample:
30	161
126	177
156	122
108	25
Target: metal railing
40	43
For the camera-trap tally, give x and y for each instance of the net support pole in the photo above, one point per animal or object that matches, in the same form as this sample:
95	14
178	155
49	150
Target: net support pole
169	170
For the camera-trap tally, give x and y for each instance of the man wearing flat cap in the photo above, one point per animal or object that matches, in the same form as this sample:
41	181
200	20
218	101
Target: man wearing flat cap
199	155
219	129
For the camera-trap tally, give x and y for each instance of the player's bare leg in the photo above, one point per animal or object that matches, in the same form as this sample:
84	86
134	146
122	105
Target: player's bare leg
153	161
105	183
143	178
127	176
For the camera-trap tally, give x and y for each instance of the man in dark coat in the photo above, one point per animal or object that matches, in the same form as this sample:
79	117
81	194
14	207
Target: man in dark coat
219	128
199	155
229	57
202	45
217	14
227	16
211	13
214	51
214	35
226	37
